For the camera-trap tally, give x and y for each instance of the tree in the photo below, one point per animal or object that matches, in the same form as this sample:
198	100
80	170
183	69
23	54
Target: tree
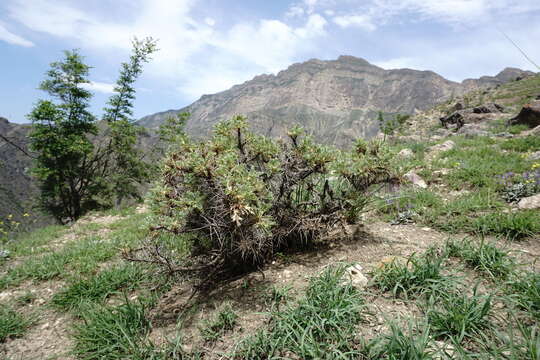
76	164
130	169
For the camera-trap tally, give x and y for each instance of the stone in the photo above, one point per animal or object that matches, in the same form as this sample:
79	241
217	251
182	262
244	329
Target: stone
488	109
534	156
353	275
530	202
456	118
415	179
535	131
436	149
406	153
470	130
529	115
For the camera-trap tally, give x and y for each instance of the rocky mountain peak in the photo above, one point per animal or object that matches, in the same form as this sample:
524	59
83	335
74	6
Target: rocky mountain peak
335	100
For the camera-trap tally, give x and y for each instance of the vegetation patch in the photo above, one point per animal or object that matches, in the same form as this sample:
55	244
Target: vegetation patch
239	198
484	257
320	326
12	324
414	275
225	321
111	333
458	316
98	288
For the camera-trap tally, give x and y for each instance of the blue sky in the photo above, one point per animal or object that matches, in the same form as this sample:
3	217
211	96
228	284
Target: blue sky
209	45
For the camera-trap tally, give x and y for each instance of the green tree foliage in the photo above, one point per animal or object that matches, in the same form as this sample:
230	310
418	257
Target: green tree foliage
390	126
129	164
236	199
77	165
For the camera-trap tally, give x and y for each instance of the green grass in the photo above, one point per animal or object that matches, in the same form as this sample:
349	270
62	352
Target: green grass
519	342
12	323
413	344
225	321
418	274
478	166
524	288
32	243
99	287
458	316
111	332
524	144
512	226
80	257
484	257
320	326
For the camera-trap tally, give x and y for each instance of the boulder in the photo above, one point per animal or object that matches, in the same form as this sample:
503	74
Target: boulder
406	153
458	106
488	109
415	179
456	118
530	202
529	115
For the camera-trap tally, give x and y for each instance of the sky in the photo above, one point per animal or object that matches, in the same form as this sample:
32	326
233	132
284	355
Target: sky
206	46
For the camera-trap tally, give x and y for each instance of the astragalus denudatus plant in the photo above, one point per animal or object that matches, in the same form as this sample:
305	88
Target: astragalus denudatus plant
226	205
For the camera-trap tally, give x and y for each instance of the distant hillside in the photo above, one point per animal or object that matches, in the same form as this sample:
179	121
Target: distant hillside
16	185
337	101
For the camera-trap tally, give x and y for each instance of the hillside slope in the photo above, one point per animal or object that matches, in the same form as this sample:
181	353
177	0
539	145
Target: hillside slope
337	101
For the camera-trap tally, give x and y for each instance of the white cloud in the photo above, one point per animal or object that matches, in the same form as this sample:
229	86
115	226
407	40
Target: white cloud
101	87
359	21
190	49
10	38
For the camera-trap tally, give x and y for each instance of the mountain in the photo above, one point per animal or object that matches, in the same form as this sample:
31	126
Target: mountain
337	101
17	189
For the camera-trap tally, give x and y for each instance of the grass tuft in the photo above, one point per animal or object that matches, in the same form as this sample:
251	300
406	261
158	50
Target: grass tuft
12	324
98	288
111	333
458	316
419	273
484	257
320	326
225	321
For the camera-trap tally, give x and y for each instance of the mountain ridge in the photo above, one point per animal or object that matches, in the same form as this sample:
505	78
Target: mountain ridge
336	101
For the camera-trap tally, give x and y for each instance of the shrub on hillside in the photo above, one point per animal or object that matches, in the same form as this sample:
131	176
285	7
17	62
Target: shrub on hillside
231	202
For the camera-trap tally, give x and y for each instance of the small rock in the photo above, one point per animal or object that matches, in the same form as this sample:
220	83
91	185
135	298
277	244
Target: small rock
287	273
534	156
436	149
531	202
415	179
354	275
4	254
534	131
441	172
406	153
505	135
472	130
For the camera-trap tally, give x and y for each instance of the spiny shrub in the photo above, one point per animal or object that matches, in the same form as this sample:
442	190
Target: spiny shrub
238	198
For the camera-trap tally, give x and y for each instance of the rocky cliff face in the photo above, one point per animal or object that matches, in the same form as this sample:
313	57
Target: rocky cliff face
18	191
337	101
